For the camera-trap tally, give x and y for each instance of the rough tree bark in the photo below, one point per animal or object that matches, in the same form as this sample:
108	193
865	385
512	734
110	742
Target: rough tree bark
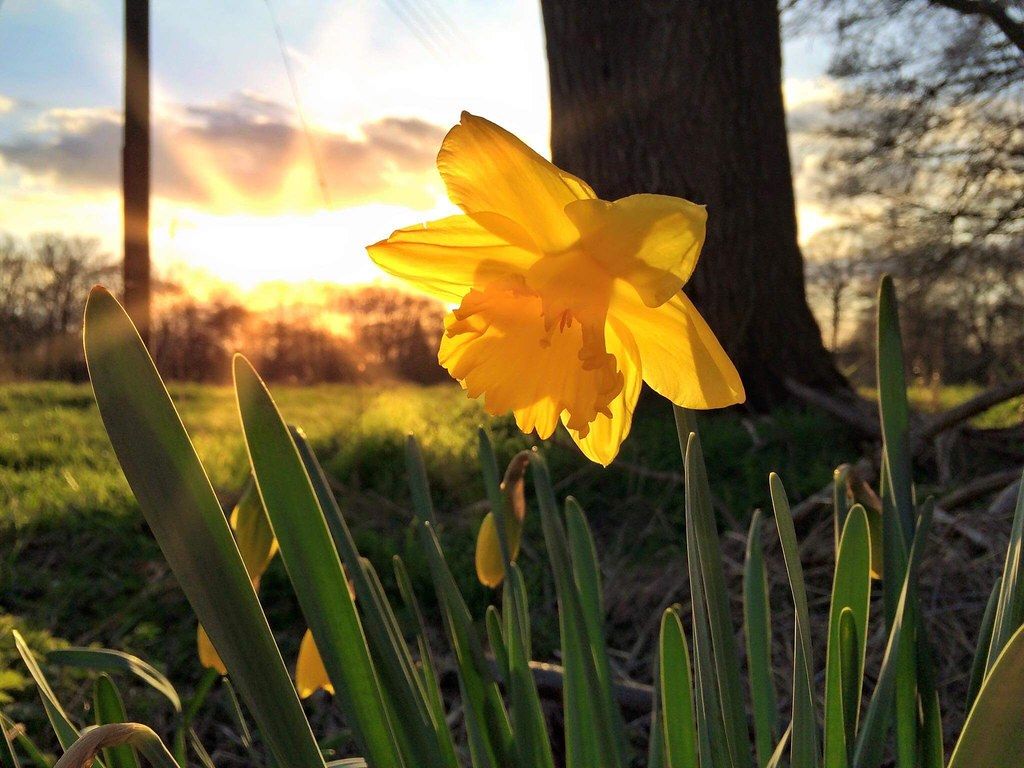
684	97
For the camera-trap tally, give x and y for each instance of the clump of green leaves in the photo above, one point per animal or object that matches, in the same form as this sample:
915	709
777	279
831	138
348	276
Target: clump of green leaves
706	711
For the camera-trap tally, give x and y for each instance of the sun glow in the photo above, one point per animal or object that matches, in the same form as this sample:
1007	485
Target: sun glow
246	250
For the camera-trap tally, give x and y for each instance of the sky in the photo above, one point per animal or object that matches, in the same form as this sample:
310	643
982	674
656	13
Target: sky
236	197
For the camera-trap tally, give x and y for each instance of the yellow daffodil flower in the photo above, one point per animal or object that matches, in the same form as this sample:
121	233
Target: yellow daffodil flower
310	674
566	303
258	546
490	561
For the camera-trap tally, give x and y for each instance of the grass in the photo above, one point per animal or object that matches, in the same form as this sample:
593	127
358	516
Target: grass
77	564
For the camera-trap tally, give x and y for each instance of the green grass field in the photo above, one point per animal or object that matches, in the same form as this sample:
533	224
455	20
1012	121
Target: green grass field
77	563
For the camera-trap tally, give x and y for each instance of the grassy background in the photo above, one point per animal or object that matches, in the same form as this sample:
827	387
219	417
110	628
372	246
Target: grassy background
78	565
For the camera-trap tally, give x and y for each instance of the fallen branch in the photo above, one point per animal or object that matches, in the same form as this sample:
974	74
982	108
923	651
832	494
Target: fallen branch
633	697
976	489
863	469
1006	501
971	408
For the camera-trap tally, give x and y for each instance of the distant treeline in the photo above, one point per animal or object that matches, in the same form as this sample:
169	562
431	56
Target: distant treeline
962	311
961	304
377	333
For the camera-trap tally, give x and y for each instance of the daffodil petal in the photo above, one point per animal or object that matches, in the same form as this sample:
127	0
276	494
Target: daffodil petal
497	346
253	534
608	431
208	655
577	186
680	355
650	241
310	674
449	256
487	169
490	570
490	565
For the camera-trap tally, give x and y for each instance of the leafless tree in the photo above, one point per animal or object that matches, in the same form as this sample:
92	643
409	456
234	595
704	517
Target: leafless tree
927	162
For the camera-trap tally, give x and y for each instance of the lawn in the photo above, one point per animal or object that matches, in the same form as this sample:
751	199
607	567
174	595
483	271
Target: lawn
78	561
79	566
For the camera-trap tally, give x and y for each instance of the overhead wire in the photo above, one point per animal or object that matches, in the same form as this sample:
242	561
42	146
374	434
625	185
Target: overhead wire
317	160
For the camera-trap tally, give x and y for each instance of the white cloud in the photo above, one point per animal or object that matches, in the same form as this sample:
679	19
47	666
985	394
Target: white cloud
243	154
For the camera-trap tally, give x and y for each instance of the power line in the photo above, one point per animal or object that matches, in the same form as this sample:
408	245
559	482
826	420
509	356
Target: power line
420	27
318	165
449	26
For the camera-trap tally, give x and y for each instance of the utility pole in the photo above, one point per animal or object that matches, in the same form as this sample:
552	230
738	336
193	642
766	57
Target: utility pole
135	165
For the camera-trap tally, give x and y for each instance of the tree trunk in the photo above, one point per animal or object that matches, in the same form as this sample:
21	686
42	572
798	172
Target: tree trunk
135	164
684	98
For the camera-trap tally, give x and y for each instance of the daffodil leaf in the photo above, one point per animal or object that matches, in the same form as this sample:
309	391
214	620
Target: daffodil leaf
1010	608
109	708
893	407
587	712
487	724
313	565
804	741
676	693
10	757
427	667
398	676
878	717
182	510
27	746
493	623
993	735
62	726
532	743
586	573
721	720
984	642
851	592
109	660
757	631
103	737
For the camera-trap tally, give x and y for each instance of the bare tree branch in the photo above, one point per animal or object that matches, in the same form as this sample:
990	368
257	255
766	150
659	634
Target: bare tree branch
994	12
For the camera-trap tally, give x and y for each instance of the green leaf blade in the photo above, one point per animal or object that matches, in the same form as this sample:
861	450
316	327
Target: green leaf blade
993	736
182	510
893	406
109	708
314	566
110	660
676	690
851	600
804	740
757	633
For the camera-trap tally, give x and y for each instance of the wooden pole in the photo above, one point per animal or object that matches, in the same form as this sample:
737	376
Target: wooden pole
135	165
